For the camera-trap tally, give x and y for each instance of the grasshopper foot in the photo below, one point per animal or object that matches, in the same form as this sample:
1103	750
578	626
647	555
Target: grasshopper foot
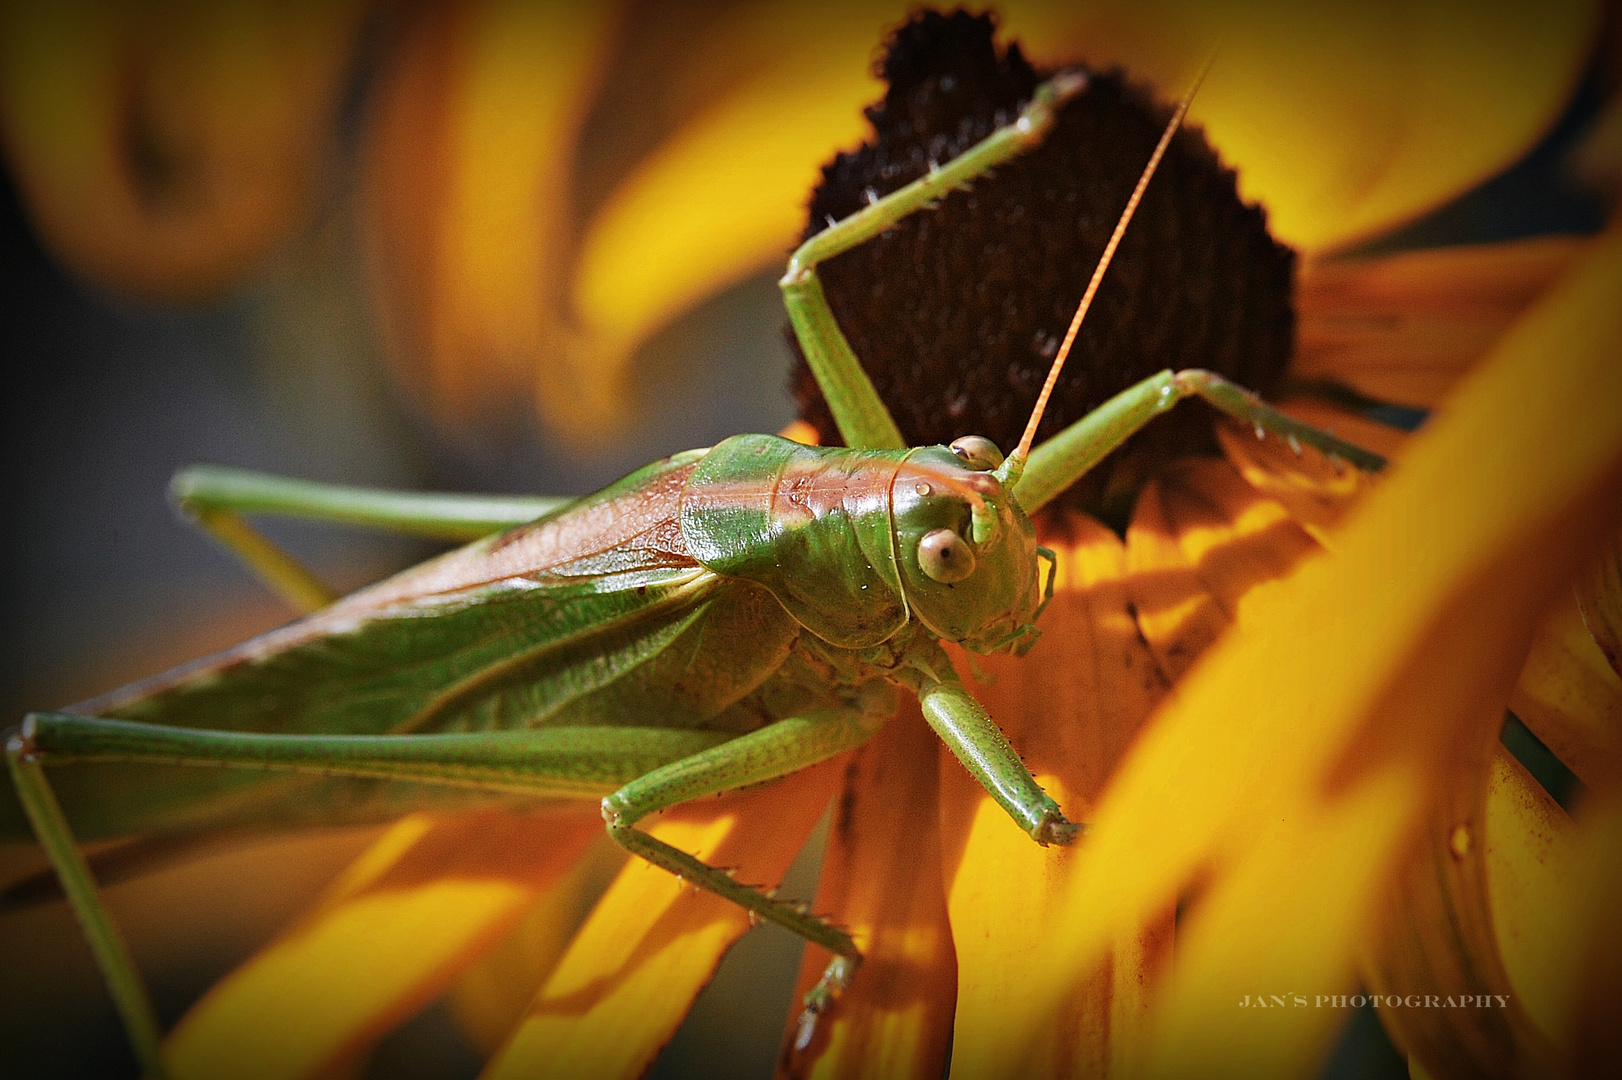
821	997
1057	829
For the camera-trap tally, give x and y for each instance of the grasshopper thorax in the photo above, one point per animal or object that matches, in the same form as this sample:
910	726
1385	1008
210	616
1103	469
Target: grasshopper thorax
966	551
856	543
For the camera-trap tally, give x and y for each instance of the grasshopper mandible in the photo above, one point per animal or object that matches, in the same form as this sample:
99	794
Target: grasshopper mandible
719	618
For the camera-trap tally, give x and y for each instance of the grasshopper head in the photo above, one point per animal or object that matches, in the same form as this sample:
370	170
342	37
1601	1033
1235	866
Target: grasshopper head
966	549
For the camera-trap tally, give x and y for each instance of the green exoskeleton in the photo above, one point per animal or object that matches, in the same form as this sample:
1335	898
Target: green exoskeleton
723	617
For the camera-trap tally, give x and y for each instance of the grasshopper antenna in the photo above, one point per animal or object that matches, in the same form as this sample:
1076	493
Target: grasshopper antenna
1015	465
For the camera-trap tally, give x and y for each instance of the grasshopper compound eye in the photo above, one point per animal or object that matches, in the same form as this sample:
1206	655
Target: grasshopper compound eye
945	556
977	452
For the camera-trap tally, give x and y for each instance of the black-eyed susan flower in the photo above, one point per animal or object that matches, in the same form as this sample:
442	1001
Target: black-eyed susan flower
1275	788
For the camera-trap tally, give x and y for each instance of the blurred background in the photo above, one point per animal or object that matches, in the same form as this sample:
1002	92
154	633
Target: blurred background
486	246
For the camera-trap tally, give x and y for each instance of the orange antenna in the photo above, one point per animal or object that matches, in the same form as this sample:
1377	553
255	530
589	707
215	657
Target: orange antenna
1016	460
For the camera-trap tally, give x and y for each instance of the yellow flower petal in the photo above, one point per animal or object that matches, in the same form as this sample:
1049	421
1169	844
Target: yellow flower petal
1319	860
164	150
1571	699
1071	708
1342	119
390	938
1376	664
1340	122
1599	594
1531	879
1438	933
725	195
1316	491
1596	1040
1201	538
492	995
653	941
469	177
1404	328
881	881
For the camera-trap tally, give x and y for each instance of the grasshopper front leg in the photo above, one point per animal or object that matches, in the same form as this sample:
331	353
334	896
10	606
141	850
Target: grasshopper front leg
975	740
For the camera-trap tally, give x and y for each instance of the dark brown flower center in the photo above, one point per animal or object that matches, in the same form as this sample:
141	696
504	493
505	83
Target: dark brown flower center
957	312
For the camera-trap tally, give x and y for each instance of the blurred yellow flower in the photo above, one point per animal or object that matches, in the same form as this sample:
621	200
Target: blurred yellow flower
545	186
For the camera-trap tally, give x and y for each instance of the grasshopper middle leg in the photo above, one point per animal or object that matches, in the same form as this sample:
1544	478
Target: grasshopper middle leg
773	751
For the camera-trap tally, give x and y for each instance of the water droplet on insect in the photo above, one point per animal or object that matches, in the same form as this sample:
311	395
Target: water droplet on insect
1295	444
1460	842
923	489
872	196
1261	435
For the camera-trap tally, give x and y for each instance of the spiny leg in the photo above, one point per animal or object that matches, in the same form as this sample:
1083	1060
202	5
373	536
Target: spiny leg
776	750
215	498
1063	459
862	418
1036	476
646	769
566	762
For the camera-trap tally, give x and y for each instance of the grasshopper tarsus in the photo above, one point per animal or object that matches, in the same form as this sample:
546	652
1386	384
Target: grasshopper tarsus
818	1002
1059	830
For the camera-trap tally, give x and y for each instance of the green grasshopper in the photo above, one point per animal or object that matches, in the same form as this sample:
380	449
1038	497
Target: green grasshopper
719	618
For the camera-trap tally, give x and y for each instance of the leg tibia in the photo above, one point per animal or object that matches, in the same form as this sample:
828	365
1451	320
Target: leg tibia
276	569
789	916
1067	456
773	751
1241	404
107	945
975	740
215	498
862	418
435	515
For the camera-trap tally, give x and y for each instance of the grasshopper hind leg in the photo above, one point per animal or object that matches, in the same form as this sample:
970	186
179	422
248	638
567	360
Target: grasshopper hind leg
129	992
215	498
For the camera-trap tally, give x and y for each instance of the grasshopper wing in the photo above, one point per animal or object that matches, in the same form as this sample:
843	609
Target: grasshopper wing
594	615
